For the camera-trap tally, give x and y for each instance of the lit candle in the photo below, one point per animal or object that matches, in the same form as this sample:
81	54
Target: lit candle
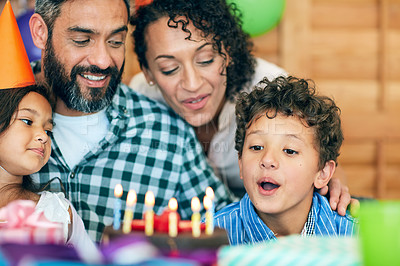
172	218
149	213
209	215
117	206
130	202
195	217
210	194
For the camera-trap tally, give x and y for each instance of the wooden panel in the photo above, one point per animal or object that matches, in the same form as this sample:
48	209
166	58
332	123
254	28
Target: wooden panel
391	149
343	54
394	13
295	36
267	44
392	181
393	51
360	180
359	153
347	93
393	96
369	126
344	14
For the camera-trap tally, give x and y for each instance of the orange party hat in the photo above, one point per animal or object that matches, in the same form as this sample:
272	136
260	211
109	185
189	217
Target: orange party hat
139	3
15	70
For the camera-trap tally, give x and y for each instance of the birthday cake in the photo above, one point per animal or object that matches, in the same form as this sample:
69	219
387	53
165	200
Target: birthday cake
202	249
184	241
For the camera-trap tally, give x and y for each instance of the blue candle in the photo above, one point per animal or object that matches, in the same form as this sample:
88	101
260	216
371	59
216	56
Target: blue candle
117	206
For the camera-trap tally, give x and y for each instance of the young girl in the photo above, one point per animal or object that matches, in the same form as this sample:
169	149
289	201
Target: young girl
25	128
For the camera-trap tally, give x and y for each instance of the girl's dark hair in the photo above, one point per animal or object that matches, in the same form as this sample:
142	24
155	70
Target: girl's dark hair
292	96
215	19
9	101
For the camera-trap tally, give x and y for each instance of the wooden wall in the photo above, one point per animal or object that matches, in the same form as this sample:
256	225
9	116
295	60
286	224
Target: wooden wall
351	48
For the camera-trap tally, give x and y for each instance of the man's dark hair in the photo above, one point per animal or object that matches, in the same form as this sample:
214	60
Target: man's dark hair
50	10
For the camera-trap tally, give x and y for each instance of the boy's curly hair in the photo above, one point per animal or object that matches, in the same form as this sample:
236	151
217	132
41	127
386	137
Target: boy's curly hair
292	96
215	19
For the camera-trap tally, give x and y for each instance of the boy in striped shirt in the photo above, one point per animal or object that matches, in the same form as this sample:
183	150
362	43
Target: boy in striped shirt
288	139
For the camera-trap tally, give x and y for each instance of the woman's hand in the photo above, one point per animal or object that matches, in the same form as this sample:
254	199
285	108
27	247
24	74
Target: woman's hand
339	196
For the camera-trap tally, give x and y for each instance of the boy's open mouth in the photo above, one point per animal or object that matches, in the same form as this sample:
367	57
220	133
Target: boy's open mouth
268	186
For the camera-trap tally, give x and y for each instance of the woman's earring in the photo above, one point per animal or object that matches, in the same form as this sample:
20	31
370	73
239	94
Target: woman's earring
151	83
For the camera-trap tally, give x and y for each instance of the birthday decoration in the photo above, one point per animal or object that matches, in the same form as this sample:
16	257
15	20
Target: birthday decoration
15	70
139	3
259	16
20	223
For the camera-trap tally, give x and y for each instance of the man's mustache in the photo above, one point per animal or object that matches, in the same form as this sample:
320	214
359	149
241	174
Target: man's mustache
113	71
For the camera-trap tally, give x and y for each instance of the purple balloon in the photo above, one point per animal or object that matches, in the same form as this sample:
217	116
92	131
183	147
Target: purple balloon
33	52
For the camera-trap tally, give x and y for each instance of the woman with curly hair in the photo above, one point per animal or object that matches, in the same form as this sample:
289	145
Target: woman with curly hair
196	58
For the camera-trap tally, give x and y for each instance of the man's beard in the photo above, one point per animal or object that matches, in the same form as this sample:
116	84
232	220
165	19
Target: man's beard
68	90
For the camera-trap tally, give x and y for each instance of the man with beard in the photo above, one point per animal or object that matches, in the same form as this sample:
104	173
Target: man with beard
105	133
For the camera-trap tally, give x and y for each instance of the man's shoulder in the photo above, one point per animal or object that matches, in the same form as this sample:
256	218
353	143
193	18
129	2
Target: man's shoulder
137	100
141	108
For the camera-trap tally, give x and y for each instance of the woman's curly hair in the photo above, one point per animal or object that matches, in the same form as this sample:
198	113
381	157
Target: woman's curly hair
215	19
292	96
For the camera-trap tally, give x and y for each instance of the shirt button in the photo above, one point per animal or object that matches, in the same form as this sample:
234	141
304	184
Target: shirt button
72	175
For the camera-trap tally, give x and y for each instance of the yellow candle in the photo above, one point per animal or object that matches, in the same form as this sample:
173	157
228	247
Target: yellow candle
149	213
196	217
209	215
117	206
130	202
173	218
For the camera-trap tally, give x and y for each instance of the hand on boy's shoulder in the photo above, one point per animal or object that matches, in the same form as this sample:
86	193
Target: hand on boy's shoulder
339	196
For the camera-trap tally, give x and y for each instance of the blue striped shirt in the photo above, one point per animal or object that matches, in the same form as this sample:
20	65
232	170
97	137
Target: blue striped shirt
244	226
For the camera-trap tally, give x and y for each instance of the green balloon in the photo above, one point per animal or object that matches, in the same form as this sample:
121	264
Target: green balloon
259	16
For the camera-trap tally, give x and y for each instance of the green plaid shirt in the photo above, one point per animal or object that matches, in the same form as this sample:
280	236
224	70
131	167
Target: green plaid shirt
148	147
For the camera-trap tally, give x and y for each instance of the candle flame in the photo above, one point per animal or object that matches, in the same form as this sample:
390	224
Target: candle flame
118	190
131	198
210	193
149	199
173	204
207	202
195	204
